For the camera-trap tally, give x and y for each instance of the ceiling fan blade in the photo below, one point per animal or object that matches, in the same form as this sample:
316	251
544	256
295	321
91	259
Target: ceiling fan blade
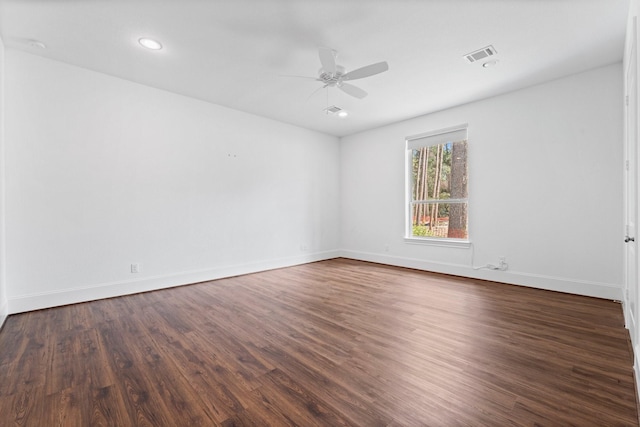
353	90
299	77
327	59
369	70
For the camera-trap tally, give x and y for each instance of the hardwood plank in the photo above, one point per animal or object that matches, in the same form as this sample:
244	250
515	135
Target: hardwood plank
331	343
246	418
345	391
296	401
207	378
141	404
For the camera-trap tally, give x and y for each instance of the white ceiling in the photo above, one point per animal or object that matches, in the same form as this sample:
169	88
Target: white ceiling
237	53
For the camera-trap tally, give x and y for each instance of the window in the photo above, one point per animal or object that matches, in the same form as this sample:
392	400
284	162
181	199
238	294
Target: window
437	185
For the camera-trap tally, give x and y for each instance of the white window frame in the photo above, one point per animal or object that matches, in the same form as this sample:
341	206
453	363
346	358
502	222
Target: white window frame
410	143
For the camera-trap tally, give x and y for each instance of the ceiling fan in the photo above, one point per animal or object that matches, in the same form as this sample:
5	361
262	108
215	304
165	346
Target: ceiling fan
333	75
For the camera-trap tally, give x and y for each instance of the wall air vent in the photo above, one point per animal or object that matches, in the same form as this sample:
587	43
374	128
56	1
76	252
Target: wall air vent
485	52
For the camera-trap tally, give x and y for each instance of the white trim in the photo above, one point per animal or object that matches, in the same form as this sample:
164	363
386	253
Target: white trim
40	300
4	310
629	318
464	126
559	284
433	241
408	196
636	368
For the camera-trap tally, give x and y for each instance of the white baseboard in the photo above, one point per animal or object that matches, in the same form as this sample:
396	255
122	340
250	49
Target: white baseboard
629	320
4	313
37	301
558	284
630	324
636	368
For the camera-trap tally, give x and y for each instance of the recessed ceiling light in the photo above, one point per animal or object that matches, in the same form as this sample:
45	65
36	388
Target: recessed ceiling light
490	64
150	43
343	114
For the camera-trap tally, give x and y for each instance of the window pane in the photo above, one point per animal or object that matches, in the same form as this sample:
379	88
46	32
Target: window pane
444	220
439	172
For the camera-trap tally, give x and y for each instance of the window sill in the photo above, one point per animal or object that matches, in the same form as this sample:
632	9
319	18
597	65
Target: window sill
430	241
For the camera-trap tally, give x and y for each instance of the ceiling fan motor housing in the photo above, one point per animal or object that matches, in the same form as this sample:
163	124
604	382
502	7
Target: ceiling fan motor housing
331	79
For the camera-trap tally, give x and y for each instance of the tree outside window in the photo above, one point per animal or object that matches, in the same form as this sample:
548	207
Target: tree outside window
438	185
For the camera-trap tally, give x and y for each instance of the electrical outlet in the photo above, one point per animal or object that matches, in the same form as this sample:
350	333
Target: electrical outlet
502	265
136	268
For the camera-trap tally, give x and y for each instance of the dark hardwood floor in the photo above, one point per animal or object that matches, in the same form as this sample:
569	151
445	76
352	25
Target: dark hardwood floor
332	343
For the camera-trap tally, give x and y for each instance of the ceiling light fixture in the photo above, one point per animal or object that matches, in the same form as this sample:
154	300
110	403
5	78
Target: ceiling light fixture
490	64
343	114
150	43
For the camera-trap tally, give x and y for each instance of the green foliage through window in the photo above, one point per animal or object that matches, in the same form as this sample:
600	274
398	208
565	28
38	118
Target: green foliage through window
439	190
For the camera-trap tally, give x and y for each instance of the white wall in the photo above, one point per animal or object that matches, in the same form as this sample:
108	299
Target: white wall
4	305
102	173
545	180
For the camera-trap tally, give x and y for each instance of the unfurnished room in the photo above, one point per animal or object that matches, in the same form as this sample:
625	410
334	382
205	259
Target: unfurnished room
319	213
